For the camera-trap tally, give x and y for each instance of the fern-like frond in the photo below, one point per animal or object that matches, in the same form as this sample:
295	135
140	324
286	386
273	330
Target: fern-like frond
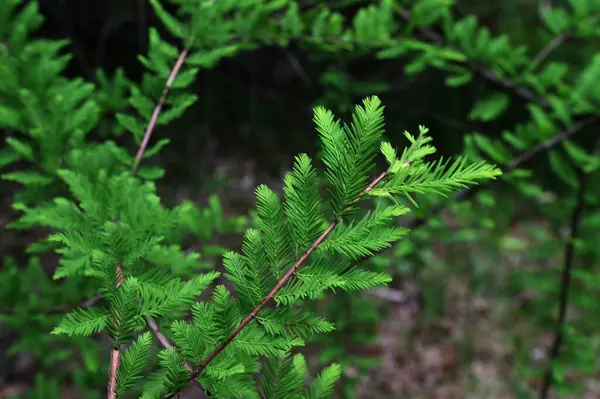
412	174
372	233
233	387
439	177
274	229
349	151
172	296
290	323
302	204
83	322
255	342
323	386
189	341
133	362
124	312
284	377
176	375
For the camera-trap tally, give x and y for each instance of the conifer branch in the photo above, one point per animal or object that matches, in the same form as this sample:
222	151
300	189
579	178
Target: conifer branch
505	83
565	287
551	142
164	342
280	284
557	41
516	162
151	125
158	108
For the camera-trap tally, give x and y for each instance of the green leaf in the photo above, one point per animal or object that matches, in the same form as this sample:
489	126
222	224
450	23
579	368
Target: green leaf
577	153
9	118
28	178
561	109
151	172
556	19
562	169
490	108
458	80
302	204
541	121
82	322
133	361
514	140
7	156
172	24
131	124
349	151
322	387
389	152
496	151
22	148
160	144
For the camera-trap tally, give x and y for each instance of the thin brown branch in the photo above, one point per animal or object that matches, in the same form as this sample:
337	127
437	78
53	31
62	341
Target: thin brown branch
549	48
164	342
151	125
551	142
88	303
565	288
557	41
115	358
115	353
280	284
158	108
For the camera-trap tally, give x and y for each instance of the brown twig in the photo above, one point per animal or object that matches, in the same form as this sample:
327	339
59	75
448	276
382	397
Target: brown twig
154	118
115	353
557	41
275	290
551	142
88	303
115	359
164	342
158	108
549	48
565	287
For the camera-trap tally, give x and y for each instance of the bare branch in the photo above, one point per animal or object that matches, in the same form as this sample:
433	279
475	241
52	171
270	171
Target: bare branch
164	342
115	358
557	41
549	48
158	108
565	287
115	353
551	142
